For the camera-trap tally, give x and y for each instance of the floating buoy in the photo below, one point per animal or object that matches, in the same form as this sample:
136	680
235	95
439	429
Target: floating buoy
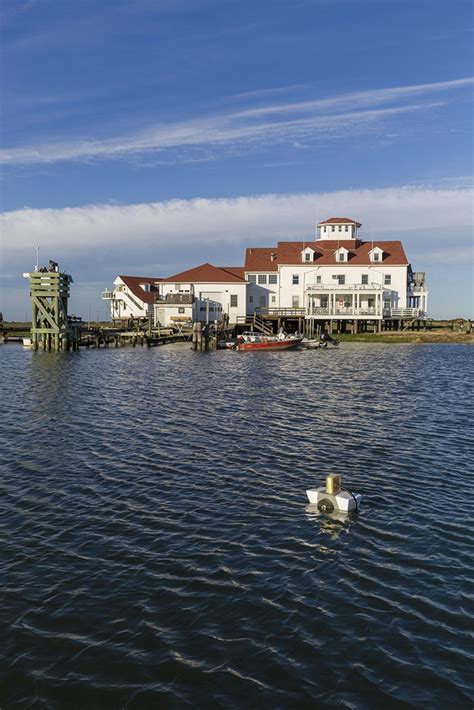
332	498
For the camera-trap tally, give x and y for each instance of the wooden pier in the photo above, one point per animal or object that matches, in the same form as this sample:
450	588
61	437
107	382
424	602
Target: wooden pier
110	337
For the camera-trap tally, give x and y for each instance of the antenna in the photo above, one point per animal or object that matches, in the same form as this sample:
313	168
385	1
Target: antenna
37	259
372	228
317	219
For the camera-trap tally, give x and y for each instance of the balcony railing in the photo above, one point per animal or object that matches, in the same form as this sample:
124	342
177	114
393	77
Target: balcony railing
108	295
292	312
175	298
403	313
343	311
342	288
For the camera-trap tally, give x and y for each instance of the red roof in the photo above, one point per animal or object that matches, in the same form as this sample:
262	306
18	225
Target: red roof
260	259
206	273
257	259
235	270
133	283
340	220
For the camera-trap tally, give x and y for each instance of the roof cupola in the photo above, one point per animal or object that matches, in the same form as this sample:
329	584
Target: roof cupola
338	228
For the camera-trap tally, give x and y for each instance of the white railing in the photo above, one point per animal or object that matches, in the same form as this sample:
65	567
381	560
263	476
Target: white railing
344	311
341	288
403	313
108	295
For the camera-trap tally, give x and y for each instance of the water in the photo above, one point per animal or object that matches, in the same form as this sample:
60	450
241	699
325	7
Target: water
157	549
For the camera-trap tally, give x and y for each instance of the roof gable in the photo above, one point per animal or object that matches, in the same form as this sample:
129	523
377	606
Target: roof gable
134	284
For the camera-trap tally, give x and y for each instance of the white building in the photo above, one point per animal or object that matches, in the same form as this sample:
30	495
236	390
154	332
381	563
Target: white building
204	293
132	297
336	277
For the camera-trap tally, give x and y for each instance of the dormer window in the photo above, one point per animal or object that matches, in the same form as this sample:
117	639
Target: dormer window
376	254
341	254
145	287
307	255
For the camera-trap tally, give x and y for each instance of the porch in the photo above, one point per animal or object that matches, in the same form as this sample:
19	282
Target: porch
345	302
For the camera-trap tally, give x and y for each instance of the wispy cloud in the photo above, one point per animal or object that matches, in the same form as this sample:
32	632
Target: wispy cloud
298	121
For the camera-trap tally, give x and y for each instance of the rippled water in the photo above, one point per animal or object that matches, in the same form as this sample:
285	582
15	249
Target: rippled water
157	549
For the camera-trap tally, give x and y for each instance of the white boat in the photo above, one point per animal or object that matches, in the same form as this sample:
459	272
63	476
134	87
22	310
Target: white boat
310	344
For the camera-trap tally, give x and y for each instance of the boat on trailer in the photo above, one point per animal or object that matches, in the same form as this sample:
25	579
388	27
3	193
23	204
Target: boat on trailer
257	341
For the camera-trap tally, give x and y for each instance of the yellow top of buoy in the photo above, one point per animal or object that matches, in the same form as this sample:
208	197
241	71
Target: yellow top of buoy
333	483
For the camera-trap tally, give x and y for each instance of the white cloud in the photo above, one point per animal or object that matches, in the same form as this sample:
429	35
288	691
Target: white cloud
333	116
261	219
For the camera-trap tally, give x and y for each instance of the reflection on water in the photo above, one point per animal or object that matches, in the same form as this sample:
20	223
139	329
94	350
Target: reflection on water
332	524
157	548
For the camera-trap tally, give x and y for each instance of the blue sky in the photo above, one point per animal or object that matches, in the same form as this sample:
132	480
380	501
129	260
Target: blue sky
146	136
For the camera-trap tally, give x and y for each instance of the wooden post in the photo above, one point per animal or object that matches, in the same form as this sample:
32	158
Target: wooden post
197	336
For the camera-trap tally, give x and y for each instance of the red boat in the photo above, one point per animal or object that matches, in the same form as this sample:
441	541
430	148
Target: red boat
256	341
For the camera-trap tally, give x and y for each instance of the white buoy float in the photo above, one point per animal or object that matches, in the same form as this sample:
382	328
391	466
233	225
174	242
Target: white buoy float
332	498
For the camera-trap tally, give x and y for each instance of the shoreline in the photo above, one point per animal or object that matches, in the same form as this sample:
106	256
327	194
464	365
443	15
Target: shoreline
396	337
18	330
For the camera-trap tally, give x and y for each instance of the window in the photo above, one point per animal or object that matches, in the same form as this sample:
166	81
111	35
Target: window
274	299
295	302
365	279
307	256
263	301
340	278
273	279
346	228
333	228
387	280
376	256
318	279
250	299
324	228
181	310
342	256
234	301
252	279
340	228
387	303
296	279
262	278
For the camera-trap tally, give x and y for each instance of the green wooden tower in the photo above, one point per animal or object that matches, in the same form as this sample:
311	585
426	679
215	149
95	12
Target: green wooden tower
49	292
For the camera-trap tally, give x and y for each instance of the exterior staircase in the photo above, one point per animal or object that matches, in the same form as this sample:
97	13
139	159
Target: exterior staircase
256	322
